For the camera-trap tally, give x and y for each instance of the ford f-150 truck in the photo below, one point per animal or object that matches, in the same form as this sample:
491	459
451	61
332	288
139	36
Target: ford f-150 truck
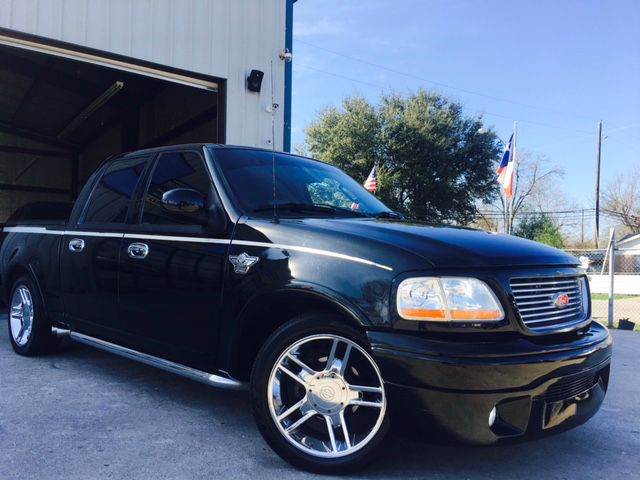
246	268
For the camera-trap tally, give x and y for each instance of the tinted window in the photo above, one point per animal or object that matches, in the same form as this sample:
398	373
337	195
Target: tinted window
299	181
174	170
110	198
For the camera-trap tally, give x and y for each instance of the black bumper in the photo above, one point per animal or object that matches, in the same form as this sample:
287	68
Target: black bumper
535	388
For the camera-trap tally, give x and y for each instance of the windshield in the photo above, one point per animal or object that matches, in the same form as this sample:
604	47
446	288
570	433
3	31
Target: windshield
304	187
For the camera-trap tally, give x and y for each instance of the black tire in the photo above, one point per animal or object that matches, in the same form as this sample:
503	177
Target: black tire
41	340
299	328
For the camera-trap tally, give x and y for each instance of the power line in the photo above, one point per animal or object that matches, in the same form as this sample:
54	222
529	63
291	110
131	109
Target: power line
344	77
382	87
588	136
442	84
544	212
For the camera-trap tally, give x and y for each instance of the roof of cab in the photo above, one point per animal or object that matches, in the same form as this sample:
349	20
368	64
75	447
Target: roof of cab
215	146
194	145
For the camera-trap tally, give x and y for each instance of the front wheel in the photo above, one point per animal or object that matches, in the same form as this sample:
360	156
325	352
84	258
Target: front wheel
318	396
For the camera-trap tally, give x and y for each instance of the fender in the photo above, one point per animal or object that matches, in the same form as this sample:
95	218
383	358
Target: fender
28	270
244	333
320	292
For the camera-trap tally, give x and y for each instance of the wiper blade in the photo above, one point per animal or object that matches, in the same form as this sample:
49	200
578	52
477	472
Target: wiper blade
297	207
389	214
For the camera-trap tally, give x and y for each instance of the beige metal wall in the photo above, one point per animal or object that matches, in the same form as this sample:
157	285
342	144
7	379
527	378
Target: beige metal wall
223	38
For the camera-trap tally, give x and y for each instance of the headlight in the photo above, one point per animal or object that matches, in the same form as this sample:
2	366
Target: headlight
444	299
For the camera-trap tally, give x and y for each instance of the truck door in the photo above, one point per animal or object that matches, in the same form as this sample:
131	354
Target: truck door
90	249
171	266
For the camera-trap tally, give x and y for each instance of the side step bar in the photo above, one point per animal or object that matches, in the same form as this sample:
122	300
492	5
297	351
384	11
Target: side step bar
192	373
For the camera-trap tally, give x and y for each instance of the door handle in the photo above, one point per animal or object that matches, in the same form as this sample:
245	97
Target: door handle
138	251
76	245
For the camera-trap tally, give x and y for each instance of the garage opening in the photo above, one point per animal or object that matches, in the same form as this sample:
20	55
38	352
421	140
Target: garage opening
61	117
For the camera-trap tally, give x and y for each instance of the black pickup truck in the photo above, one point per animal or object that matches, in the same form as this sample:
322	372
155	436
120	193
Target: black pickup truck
338	314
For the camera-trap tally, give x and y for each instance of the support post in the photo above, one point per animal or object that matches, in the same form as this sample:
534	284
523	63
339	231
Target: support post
612	271
514	186
598	156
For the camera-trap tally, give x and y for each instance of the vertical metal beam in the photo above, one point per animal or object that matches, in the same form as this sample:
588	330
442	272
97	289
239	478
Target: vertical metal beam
221	119
288	77
612	272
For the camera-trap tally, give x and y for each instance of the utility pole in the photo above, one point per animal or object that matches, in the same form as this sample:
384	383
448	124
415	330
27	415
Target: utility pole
598	155
582	230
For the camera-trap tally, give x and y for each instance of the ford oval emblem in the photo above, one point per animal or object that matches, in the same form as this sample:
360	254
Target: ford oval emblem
561	300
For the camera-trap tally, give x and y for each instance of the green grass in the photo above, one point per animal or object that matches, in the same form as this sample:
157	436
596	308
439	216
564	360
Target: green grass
604	296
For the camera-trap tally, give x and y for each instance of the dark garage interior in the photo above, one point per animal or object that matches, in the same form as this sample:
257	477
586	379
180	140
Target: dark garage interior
60	118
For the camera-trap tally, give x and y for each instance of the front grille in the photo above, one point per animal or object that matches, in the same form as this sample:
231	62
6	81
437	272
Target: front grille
570	387
535	300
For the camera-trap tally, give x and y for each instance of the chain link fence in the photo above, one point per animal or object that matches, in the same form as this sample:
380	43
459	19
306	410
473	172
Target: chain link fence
621	297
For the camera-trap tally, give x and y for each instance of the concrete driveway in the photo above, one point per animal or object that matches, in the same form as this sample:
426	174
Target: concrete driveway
84	414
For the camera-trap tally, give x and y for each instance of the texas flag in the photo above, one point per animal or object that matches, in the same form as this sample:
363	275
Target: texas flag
371	183
506	170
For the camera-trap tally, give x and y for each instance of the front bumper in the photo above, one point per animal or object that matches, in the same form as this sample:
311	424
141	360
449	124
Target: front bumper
536	387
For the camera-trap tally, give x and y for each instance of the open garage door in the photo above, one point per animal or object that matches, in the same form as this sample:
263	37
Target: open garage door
61	115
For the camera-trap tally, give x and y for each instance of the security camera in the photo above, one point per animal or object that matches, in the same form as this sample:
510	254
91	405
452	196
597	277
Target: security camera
286	55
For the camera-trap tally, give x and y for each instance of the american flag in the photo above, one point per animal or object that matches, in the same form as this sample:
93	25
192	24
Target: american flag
506	170
371	183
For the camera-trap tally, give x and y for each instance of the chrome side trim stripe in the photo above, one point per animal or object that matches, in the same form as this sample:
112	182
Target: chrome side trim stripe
170	238
313	251
46	231
40	230
94	234
192	373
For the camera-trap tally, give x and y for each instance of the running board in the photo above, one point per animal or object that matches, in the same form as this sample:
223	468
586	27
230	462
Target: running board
192	373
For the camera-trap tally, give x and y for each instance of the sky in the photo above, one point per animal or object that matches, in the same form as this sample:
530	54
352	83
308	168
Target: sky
555	67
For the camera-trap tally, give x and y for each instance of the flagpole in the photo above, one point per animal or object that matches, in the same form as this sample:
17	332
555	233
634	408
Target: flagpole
515	176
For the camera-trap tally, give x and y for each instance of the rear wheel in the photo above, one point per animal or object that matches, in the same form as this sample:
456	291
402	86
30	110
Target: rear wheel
29	329
318	395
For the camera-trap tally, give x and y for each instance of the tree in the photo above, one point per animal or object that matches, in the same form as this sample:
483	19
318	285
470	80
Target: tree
535	179
434	162
622	200
541	229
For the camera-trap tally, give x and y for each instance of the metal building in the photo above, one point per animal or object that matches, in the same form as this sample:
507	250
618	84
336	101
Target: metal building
84	79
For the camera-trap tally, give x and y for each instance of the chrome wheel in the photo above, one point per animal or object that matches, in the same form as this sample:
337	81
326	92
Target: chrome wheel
326	396
21	315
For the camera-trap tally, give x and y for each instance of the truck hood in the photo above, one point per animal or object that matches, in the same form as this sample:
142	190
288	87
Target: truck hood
448	247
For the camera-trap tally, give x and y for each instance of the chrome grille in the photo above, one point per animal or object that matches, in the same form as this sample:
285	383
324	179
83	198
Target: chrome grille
535	299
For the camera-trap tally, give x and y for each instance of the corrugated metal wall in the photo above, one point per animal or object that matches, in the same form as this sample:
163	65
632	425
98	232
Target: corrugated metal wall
224	38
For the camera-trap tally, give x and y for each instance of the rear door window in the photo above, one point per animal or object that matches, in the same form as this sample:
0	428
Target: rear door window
112	195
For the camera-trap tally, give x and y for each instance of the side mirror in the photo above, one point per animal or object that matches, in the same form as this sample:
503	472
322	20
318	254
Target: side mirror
184	200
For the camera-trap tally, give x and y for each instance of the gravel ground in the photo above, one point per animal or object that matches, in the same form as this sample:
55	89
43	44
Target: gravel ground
85	414
628	308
